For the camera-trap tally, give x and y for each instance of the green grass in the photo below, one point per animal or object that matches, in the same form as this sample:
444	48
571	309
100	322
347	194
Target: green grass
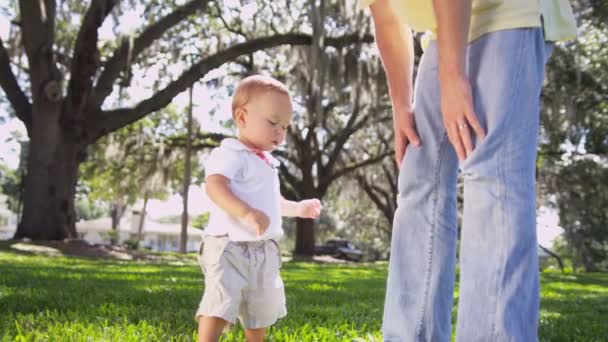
72	299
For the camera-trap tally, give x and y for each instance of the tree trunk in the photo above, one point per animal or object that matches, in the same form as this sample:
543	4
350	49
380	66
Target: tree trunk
142	218
305	237
183	243
50	183
587	260
118	209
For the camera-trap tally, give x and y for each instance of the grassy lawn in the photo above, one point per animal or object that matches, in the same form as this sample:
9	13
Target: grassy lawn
72	299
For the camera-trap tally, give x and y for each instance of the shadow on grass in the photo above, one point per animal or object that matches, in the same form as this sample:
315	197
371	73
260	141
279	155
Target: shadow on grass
81	249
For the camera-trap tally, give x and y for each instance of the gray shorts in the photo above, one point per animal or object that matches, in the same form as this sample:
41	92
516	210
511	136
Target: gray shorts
242	280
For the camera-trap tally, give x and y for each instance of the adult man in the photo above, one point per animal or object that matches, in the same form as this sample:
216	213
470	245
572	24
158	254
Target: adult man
476	109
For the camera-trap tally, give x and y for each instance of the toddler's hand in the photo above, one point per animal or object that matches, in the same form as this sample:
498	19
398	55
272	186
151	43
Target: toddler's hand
310	208
257	220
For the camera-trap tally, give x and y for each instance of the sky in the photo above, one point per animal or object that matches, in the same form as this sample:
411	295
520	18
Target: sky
547	222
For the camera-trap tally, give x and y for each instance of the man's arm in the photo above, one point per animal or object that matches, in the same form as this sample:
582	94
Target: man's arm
453	22
396	45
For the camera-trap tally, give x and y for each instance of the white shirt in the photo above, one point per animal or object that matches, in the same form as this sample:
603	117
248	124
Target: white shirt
253	181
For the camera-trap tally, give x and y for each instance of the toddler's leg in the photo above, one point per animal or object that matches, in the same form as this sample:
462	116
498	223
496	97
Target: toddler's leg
255	335
210	328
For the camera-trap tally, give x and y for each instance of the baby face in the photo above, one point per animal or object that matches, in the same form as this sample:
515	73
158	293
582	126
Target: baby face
265	120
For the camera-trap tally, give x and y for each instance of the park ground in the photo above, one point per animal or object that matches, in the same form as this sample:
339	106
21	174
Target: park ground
49	293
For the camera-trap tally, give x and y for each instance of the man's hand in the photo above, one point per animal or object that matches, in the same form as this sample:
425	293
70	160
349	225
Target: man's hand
459	114
453	22
310	208
405	133
396	46
257	220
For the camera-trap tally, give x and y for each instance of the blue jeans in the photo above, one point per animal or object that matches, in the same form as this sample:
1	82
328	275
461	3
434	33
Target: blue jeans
499	275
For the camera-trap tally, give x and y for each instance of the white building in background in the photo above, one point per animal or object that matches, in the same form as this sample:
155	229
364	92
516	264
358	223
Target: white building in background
157	236
8	220
165	236
98	231
162	237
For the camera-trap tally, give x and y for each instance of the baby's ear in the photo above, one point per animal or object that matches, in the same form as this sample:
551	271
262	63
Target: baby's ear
240	117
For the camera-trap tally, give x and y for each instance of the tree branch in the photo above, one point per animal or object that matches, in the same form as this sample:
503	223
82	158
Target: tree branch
109	121
351	127
13	91
37	23
291	179
375	193
554	255
289	193
86	55
238	31
294	136
346	131
390	176
356	166
288	157
201	141
38	32
126	52
342	138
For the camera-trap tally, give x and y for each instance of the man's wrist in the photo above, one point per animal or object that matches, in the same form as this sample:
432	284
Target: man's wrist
451	70
400	108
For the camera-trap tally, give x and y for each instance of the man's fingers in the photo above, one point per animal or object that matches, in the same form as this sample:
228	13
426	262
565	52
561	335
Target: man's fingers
400	153
409	130
400	145
474	122
412	136
465	137
454	137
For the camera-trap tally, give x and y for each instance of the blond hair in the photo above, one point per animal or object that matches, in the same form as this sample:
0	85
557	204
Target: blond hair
253	85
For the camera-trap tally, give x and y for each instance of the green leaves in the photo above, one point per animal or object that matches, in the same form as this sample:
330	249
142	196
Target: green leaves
136	159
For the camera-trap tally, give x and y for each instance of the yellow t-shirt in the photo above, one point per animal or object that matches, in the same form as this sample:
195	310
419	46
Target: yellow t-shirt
495	15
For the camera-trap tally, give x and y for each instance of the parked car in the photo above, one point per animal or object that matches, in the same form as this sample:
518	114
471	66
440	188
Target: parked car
370	253
341	249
